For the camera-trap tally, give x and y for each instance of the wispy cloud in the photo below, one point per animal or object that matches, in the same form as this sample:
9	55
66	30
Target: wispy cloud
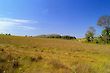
7	24
16	21
27	27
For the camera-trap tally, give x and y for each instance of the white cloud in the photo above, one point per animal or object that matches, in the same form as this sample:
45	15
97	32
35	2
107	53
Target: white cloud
16	21
7	24
27	27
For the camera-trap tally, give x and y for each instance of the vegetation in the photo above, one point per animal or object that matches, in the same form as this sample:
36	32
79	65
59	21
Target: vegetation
90	34
104	21
44	55
6	34
40	54
57	36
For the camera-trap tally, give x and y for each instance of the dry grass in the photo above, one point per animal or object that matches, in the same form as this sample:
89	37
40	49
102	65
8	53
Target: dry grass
52	55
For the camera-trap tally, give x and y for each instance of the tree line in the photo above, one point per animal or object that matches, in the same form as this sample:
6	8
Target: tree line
104	37
8	34
68	37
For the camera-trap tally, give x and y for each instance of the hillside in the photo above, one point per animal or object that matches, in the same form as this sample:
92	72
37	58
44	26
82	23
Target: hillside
45	55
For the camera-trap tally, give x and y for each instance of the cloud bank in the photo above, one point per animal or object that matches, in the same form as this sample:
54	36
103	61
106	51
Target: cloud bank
16	25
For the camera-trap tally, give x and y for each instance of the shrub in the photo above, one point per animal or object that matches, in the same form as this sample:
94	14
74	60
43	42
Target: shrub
34	59
39	57
15	64
57	36
57	64
68	37
1	49
7	64
83	68
54	36
90	34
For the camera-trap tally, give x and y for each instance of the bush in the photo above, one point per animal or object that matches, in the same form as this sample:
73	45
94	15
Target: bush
2	50
68	37
90	34
34	59
83	68
57	36
7	63
54	36
15	64
57	64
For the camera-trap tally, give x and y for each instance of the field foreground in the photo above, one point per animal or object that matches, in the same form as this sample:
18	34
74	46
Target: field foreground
44	55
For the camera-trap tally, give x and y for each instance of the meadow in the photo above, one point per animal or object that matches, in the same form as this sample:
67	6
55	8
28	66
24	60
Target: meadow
50	55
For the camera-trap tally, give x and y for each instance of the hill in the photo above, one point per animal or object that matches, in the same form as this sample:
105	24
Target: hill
47	55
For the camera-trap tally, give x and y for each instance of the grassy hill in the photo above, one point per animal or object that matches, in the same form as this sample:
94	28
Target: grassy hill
44	55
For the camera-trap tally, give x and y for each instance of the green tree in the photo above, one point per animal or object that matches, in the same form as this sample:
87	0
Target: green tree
104	21
104	37
90	34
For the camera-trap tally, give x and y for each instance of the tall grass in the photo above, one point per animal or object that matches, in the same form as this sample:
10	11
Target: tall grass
44	55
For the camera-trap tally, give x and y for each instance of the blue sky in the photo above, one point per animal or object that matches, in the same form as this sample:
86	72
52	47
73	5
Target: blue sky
66	17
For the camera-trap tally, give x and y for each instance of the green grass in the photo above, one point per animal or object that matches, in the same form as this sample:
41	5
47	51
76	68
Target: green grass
44	55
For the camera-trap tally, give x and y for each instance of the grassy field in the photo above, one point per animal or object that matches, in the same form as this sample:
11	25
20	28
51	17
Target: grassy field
44	55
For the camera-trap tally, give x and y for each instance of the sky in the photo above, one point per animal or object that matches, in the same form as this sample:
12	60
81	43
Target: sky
65	17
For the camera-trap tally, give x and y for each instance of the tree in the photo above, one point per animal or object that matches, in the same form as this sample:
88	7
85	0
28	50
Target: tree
68	37
104	21
105	37
90	34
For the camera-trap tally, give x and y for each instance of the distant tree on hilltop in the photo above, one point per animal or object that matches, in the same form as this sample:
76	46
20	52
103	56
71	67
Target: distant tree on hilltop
90	34
68	37
104	21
